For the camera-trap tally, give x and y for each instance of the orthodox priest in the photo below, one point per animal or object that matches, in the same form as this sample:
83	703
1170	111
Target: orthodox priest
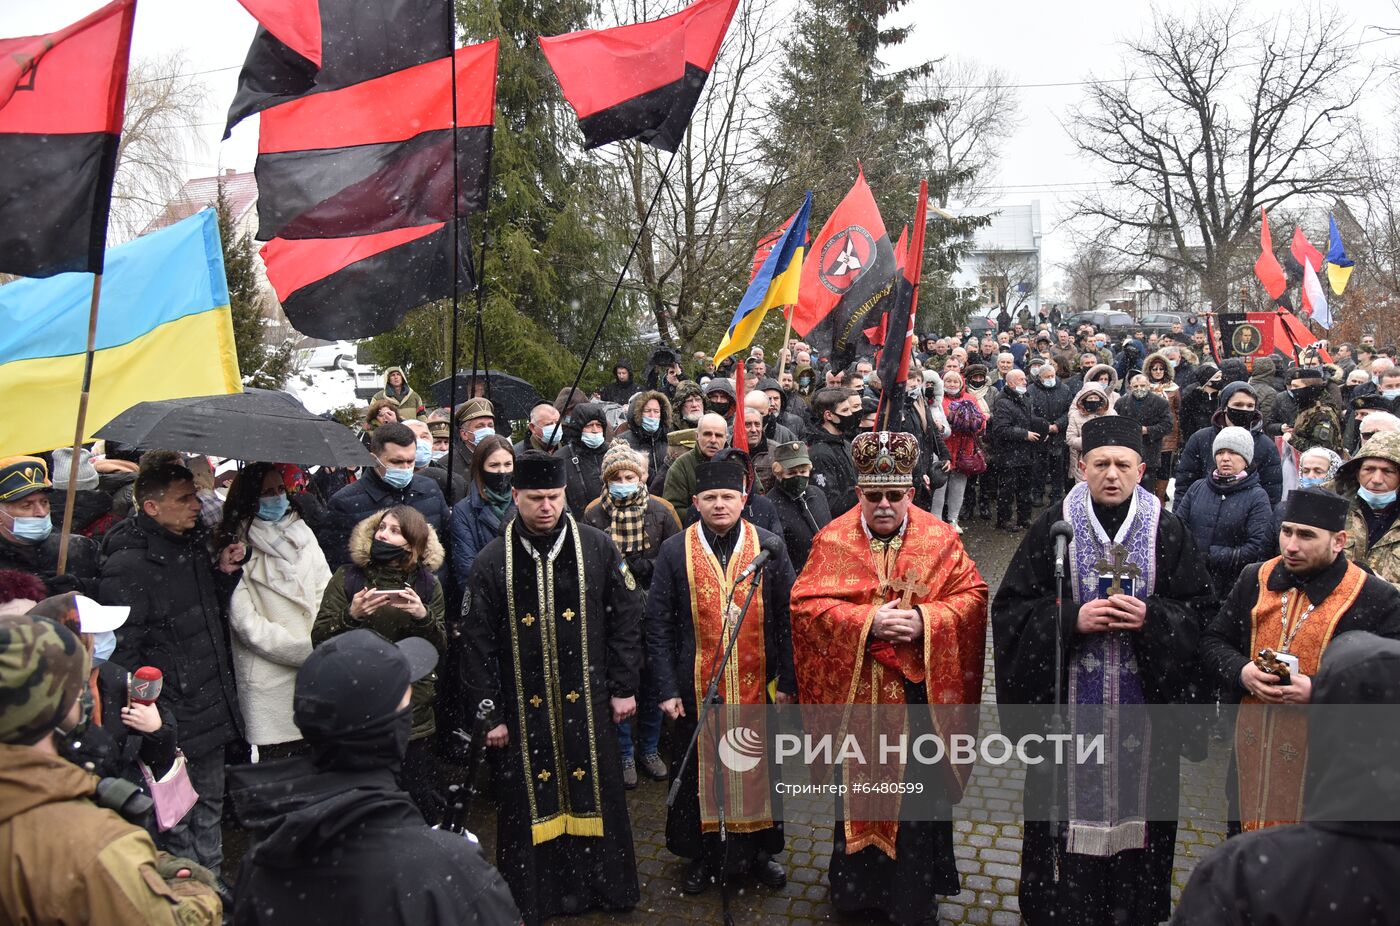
553	639
1292	606
1139	595
695	599
891	611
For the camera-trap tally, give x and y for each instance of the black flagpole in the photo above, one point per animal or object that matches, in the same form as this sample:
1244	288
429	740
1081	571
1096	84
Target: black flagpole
622	275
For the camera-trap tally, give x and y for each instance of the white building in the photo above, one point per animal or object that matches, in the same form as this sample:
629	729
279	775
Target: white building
1007	249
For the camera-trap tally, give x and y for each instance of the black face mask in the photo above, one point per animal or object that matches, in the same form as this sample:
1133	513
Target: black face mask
1241	417
794	486
497	482
849	425
719	408
381	551
977	383
1093	407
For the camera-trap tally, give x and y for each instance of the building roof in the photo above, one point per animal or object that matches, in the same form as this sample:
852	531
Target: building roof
202	192
1013	228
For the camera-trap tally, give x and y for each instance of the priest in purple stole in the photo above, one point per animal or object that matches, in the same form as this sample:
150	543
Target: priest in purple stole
1137	596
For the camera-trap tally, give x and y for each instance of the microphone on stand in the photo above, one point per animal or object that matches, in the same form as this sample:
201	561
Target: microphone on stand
143	686
772	546
1063	534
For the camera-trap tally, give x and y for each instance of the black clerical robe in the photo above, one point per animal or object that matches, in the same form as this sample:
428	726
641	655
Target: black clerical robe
550	641
676	594
1132	886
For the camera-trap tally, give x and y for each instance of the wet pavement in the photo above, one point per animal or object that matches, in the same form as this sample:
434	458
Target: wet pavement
987	834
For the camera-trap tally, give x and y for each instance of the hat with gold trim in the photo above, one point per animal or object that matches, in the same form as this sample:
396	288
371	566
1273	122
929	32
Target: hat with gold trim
21	477
885	458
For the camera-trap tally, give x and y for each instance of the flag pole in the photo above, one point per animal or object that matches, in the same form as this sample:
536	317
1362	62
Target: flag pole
622	275
787	336
72	490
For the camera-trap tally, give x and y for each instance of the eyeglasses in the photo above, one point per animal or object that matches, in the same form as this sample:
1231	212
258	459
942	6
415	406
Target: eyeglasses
873	496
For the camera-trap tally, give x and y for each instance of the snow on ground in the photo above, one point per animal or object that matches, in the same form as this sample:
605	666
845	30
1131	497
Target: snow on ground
322	391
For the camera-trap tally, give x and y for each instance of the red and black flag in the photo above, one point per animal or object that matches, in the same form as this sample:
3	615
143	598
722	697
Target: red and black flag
62	96
313	46
899	323
377	156
641	80
846	274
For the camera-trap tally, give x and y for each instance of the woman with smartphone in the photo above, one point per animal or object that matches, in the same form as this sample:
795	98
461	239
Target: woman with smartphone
389	587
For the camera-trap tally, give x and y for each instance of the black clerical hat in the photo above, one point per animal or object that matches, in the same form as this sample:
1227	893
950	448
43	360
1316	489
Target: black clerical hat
536	470
1316	507
725	474
1112	431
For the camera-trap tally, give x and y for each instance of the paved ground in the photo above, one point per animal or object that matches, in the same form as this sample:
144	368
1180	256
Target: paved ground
987	835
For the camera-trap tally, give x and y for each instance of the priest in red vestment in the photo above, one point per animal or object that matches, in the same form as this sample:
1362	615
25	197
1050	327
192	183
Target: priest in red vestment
890	611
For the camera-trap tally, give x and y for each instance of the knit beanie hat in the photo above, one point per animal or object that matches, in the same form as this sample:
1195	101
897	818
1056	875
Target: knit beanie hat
63	462
1236	440
621	457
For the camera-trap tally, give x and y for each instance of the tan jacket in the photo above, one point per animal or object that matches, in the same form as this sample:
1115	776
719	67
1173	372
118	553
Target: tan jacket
63	859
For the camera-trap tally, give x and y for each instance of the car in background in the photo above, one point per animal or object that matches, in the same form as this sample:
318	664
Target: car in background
1161	322
1113	324
983	321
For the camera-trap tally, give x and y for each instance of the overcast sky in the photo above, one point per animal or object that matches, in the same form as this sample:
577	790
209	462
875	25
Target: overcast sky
1033	42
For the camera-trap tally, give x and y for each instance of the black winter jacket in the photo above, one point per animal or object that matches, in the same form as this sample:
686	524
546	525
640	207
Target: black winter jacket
1153	413
359	500
801	519
82	575
178	624
1053	405
1012	417
832	469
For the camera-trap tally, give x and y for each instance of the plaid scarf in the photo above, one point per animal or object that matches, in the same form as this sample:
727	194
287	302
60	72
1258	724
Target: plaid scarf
628	517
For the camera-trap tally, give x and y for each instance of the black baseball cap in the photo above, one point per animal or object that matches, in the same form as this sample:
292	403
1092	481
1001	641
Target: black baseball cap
356	679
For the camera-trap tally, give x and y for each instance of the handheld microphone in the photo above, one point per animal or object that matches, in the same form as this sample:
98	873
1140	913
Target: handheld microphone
771	547
143	686
1063	534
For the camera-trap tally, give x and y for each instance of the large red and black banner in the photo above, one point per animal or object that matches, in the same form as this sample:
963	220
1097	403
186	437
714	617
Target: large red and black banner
62	97
641	80
846	276
899	324
377	156
357	40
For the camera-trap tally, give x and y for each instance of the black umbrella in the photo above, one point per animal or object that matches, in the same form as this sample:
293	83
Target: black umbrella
256	424
511	396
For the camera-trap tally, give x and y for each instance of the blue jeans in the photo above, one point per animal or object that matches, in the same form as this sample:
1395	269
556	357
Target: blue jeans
649	728
199	836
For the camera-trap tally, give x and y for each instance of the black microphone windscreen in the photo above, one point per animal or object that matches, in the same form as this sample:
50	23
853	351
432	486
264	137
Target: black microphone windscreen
1062	529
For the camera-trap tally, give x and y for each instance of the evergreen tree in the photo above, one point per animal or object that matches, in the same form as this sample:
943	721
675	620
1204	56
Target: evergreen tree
263	365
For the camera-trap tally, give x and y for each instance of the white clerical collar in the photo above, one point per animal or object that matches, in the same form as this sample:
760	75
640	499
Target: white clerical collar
738	538
1123	529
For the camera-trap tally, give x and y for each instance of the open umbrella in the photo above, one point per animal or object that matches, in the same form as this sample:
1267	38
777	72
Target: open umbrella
512	396
256	424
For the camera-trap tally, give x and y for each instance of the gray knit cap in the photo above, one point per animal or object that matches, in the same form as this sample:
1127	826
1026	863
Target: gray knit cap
1237	440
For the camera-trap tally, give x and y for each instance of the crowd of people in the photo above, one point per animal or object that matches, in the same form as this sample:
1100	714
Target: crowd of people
324	636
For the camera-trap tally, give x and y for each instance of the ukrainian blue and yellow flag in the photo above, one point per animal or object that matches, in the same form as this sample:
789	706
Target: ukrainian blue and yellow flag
773	286
164	331
1339	266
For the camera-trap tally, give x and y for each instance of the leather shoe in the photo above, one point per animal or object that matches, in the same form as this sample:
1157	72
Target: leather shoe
697	878
769	873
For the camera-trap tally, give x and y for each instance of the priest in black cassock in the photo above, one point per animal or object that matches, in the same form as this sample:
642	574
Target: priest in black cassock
692	606
553	639
1138	595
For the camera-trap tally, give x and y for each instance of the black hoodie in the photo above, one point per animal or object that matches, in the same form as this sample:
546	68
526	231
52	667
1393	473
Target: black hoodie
336	847
1339	867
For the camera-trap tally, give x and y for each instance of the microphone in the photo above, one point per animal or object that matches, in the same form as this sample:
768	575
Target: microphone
771	547
143	686
1063	534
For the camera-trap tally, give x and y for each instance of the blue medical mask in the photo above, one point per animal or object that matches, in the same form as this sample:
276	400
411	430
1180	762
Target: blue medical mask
480	434
1308	482
422	453
1171	363
650	425
1019	390
591	440
1049	383
1376	499
272	509
398	478
36	530
438	455
620	490
1391	394
550	434
104	644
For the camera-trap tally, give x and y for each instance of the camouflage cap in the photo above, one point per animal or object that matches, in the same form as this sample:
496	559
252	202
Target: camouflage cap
43	668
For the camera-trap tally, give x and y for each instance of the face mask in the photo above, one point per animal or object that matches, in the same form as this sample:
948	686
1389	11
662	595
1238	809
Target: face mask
104	644
497	482
1308	482
849	424
1241	417
1019	390
35	530
977	383
719	408
650	425
1391	394
422	453
592	440
1306	395
1049	383
804	382
621	490
272	509
550	434
398	478
480	434
1140	393
437	455
1093	407
1376	499
1171	363
795	486
382	551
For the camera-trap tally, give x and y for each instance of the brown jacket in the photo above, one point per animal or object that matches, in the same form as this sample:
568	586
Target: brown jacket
66	860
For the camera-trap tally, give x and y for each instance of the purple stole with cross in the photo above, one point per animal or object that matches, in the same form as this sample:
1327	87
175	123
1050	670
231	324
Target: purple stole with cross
1108	801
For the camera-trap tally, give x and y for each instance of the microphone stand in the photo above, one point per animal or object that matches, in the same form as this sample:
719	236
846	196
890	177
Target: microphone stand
713	697
457	810
1057	720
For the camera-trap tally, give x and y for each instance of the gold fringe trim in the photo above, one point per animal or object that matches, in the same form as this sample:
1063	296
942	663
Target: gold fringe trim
565	824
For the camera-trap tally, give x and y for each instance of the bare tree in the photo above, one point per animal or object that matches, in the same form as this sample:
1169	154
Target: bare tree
1012	277
1093	271
1219	118
965	137
164	105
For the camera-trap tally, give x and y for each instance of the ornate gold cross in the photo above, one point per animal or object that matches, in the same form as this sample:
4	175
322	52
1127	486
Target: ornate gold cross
908	586
1116	565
